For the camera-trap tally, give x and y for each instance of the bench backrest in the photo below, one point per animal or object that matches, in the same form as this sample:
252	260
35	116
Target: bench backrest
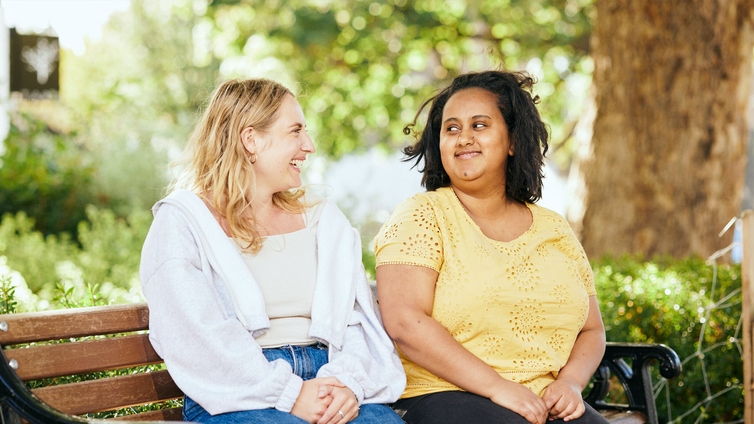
107	345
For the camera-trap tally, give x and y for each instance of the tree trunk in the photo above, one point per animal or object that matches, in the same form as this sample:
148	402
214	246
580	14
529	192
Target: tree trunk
664	170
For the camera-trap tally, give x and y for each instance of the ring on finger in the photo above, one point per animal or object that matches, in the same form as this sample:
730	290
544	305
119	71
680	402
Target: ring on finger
342	415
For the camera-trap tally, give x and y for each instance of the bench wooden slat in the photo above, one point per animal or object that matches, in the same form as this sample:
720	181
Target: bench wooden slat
110	393
168	414
62	359
61	324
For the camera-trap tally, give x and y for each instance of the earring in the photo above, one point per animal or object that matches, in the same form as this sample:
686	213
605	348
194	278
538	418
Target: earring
254	158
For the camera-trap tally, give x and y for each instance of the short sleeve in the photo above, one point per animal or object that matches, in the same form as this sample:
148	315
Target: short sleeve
411	236
575	252
585	270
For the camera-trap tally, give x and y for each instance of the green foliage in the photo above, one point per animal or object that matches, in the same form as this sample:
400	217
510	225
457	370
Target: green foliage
46	175
52	178
175	403
362	68
44	382
102	269
7	295
66	296
365	66
29	252
133	98
691	306
111	246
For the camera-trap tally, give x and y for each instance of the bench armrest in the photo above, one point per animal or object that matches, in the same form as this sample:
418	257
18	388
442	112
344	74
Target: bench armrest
634	375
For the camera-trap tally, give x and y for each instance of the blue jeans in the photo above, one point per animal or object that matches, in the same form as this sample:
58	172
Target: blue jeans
305	361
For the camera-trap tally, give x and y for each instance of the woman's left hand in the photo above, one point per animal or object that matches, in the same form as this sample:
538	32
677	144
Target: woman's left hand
563	399
344	407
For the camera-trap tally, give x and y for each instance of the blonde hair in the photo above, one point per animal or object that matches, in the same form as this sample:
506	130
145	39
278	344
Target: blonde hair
216	166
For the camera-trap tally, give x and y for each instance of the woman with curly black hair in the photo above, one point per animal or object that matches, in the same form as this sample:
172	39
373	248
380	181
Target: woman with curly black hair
489	297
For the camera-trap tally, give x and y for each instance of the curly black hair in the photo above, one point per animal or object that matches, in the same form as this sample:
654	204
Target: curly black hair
529	135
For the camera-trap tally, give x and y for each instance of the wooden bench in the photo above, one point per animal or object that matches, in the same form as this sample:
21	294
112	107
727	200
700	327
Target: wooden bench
42	350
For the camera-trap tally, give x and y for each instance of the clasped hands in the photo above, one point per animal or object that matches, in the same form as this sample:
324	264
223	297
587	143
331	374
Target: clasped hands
325	400
561	400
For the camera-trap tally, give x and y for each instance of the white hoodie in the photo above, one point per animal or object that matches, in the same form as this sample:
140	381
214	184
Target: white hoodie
206	310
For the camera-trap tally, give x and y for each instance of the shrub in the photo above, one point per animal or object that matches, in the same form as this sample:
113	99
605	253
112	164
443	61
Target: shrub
111	247
691	306
44	174
31	254
8	303
53	177
103	269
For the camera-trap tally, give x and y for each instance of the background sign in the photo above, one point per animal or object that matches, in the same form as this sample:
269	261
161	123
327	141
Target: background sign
34	61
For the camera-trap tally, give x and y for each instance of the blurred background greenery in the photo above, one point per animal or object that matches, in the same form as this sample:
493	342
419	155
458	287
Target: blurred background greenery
79	174
361	69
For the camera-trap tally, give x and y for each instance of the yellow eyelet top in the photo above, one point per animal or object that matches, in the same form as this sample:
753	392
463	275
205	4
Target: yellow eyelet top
517	305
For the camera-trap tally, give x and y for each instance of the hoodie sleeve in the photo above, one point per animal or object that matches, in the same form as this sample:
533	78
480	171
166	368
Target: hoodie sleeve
368	362
208	352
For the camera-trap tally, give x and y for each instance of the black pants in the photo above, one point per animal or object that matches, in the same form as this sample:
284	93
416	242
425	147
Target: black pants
456	407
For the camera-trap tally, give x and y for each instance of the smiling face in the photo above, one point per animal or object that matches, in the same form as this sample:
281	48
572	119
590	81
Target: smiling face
474	143
280	151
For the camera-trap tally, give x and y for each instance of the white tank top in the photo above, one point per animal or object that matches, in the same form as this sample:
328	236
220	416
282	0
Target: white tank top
286	271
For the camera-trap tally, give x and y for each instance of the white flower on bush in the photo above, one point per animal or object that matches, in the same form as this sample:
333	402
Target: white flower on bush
69	274
25	299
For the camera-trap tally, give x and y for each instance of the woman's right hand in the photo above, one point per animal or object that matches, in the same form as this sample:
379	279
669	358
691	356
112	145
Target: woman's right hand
521	400
312	403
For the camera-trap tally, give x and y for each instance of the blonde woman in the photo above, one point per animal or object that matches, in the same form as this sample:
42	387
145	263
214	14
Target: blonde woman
258	300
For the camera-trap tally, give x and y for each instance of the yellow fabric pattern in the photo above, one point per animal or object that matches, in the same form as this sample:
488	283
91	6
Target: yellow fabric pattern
517	305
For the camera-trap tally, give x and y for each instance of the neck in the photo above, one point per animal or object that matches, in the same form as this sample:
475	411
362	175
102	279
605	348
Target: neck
271	219
485	203
263	209
262	204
